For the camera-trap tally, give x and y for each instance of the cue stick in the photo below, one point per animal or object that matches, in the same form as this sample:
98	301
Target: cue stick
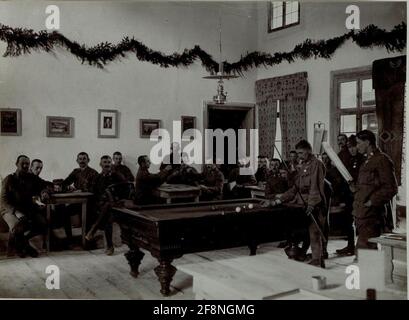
299	193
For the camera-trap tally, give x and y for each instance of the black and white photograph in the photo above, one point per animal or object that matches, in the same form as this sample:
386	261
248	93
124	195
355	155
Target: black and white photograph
61	127
10	122
292	187
108	123
147	126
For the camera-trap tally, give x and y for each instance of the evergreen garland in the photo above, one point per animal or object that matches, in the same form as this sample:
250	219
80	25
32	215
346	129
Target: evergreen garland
23	41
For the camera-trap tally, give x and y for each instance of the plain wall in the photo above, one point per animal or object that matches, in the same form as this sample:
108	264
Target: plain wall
43	84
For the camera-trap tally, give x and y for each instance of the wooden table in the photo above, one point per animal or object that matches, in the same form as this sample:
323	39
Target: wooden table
394	247
177	191
257	191
172	230
270	277
69	198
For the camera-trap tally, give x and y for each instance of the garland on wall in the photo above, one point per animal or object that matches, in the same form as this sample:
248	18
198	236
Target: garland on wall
23	41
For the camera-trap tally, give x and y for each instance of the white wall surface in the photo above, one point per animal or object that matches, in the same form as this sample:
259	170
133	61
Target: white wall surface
324	21
45	85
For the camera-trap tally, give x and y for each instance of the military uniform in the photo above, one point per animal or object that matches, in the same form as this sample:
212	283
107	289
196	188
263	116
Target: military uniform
261	174
377	183
345	156
275	184
104	204
18	209
125	171
310	182
145	183
184	175
241	180
83	179
214	180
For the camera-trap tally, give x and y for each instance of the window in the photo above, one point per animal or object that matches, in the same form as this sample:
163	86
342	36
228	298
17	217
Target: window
283	15
353	102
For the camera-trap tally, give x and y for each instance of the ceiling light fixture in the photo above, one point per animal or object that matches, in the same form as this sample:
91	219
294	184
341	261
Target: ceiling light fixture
221	96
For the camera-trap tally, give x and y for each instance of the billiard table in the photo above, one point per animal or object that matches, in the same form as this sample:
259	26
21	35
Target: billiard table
172	230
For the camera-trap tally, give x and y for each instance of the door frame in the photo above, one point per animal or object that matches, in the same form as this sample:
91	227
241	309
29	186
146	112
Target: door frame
231	106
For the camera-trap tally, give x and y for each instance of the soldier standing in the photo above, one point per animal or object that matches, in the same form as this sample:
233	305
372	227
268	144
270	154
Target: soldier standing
376	186
308	193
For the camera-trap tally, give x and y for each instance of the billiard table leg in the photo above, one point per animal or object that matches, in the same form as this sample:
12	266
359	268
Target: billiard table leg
134	257
253	249
165	272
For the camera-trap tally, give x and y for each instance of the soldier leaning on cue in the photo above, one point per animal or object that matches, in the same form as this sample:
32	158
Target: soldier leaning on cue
308	191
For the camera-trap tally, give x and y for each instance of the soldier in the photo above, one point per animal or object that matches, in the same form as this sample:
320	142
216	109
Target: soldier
23	217
212	182
293	164
80	179
173	159
376	186
355	163
121	168
275	182
106	178
240	181
262	170
343	153
146	182
185	174
83	177
308	193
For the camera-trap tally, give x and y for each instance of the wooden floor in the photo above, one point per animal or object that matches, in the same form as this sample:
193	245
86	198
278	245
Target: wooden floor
93	275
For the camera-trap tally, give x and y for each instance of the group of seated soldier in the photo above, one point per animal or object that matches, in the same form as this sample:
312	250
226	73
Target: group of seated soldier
26	218
24	194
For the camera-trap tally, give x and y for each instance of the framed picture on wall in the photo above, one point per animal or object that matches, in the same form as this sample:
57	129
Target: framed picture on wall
188	123
107	123
10	122
60	127
147	126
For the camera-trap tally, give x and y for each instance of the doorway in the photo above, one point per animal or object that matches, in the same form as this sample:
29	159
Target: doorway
229	116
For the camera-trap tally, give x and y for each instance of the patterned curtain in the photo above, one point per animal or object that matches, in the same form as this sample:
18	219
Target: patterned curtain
267	119
292	91
389	77
293	123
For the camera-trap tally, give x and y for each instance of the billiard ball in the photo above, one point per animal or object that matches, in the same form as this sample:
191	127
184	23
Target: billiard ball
238	209
250	206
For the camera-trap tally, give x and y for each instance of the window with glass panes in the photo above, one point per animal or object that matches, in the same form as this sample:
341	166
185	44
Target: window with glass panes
283	14
353	102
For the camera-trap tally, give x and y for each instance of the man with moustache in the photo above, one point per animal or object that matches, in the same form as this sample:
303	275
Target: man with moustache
343	153
19	210
80	179
375	187
103	203
262	170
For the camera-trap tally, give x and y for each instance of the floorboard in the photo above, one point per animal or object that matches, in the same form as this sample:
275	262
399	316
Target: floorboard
93	275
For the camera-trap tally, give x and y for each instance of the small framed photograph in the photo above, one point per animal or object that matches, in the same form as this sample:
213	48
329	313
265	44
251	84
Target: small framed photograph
188	123
147	126
60	127
107	123
10	122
